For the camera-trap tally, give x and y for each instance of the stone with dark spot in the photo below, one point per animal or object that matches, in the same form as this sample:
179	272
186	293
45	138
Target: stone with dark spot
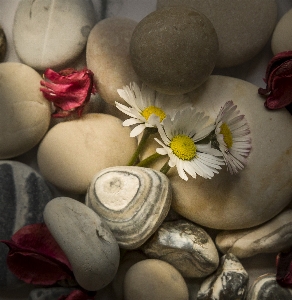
3	44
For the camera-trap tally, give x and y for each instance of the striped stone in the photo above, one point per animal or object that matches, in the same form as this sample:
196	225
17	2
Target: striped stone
23	196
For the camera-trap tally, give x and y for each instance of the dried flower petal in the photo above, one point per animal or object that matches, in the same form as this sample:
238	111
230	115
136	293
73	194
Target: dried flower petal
35	257
69	90
78	295
284	268
278	81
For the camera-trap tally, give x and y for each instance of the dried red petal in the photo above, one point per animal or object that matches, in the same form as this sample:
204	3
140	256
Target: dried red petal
284	268
69	90
35	257
78	295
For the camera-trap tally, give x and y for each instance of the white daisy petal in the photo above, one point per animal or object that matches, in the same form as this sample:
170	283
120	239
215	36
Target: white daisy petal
131	121
137	130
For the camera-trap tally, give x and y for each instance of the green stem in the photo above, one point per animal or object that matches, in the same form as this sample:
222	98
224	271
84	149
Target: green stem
150	159
165	168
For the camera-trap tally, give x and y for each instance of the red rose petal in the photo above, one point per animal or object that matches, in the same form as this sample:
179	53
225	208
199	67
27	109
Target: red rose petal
78	295
284	268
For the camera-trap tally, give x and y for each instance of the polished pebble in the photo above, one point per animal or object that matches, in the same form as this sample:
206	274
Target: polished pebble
25	114
3	44
185	246
243	27
86	240
132	200
57	31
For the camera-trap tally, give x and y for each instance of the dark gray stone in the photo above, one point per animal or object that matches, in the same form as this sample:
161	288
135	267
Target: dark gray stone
3	44
49	293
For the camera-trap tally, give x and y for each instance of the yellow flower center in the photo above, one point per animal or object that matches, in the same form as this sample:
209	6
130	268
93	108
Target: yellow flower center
227	135
148	111
183	147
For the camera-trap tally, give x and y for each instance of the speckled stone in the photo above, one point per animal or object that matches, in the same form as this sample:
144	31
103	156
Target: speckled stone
243	27
3	44
49	293
108	56
185	246
282	35
23	196
174	50
57	31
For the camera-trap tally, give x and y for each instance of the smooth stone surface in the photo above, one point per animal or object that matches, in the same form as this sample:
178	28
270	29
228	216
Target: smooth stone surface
228	283
266	287
73	152
271	237
154	279
51	293
25	114
86	240
108	56
253	196
3	44
57	31
243	27
282	35
132	200
185	246
23	196
174	50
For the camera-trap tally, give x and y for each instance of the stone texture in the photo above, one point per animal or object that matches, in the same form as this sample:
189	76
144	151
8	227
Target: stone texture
57	31
52	293
154	279
263	188
23	196
132	200
282	35
185	246
73	152
174	50
243	27
3	44
271	237
108	56
228	283
85	239
25	114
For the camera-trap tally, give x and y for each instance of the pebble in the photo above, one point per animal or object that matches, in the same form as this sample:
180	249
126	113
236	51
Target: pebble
25	114
72	152
228	283
174	50
266	287
49	293
250	25
108	56
132	200
85	239
57	31
154	279
253	196
271	237
3	44
282	35
23	196
185	246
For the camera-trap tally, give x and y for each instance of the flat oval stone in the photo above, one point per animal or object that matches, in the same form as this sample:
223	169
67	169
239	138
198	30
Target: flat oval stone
85	239
228	283
132	200
57	31
3	44
235	23
25	114
23	196
154	279
253	196
266	287
282	35
271	237
72	152
185	246
174	50
108	56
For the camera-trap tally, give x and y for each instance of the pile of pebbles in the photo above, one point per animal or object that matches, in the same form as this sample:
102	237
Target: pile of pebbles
130	232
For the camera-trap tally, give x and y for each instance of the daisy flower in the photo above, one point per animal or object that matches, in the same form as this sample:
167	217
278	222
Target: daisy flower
180	136
147	106
232	133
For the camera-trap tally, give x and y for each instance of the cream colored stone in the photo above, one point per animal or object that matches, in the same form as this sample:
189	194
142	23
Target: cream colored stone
25	114
282	36
107	55
154	279
73	152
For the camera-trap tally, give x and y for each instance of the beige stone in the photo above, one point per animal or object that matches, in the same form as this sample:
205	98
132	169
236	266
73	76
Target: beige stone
25	114
107	55
73	152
